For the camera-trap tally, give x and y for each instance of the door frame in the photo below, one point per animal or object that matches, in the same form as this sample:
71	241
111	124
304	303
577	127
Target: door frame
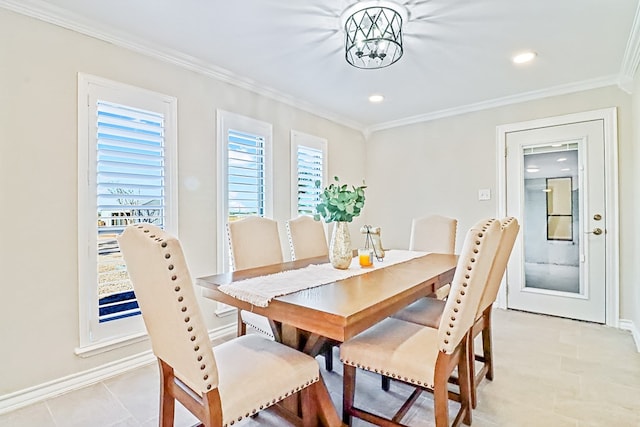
612	265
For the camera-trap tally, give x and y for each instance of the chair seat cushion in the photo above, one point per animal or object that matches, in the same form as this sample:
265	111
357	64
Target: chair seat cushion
425	311
255	372
397	349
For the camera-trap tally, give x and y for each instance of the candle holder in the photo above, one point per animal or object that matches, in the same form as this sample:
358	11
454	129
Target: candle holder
372	241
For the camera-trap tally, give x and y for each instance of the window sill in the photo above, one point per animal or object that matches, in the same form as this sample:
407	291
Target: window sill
104	346
224	310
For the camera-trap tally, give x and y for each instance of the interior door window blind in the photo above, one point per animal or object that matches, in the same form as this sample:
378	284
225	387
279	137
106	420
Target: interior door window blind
310	167
130	179
245	174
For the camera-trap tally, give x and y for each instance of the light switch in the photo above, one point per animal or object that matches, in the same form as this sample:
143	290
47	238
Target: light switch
484	194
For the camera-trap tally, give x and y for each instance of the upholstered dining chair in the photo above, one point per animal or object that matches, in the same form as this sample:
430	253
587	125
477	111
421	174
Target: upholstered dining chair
220	385
307	238
428	311
425	357
254	241
434	233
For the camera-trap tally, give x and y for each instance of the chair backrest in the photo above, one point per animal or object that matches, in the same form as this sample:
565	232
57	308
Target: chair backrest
510	228
475	261
306	238
254	242
164	289
433	233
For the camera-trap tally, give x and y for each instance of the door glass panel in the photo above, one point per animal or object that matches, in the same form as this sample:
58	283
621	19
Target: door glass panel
551	208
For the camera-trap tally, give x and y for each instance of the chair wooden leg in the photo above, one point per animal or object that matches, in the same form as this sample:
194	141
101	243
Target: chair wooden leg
309	403
487	345
167	401
465	377
471	362
441	400
385	383
242	327
348	392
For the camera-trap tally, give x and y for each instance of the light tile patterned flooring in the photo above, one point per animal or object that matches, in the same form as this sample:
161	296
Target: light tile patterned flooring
549	372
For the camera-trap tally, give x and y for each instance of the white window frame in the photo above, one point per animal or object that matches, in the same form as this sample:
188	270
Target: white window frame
231	121
97	337
301	139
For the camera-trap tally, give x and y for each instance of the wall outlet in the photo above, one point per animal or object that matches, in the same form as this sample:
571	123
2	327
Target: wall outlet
484	194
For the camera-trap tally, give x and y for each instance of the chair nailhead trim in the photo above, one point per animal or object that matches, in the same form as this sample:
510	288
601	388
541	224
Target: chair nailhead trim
170	266
167	256
164	244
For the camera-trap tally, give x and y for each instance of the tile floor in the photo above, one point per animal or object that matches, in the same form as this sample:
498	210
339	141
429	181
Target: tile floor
549	372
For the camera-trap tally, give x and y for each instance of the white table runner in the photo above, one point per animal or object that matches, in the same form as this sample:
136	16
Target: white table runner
261	290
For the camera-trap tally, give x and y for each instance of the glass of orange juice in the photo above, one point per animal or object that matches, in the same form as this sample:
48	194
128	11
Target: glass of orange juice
366	257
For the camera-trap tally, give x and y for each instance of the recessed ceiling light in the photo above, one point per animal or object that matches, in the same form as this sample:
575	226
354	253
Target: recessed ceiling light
523	57
533	170
562	159
376	99
565	169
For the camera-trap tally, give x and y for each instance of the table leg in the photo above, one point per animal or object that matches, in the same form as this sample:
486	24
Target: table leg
327	412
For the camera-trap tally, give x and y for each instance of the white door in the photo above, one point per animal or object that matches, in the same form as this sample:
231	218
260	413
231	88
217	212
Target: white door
555	186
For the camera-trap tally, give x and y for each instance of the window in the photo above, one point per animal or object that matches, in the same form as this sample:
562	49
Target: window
126	176
308	165
244	173
559	208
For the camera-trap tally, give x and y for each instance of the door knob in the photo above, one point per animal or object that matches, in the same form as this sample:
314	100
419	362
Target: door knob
597	231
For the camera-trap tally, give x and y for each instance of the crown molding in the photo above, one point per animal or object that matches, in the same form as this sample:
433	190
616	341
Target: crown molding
631	58
62	18
499	102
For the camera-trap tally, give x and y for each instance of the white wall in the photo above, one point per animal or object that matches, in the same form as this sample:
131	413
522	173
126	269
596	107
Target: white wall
39	63
439	166
635	231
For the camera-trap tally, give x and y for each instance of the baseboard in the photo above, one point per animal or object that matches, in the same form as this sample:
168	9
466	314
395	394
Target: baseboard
628	325
31	395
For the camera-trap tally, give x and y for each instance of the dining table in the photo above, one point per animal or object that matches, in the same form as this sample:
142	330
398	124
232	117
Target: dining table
331	313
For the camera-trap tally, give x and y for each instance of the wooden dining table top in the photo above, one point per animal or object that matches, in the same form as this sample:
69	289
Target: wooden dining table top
344	308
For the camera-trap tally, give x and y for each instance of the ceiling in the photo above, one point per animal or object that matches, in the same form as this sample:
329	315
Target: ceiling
457	53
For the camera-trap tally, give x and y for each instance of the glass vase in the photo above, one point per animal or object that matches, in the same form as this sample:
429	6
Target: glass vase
340	251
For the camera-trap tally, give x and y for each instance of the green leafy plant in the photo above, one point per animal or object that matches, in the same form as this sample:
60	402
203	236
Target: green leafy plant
339	202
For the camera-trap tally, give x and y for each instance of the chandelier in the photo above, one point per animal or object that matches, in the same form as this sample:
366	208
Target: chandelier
373	33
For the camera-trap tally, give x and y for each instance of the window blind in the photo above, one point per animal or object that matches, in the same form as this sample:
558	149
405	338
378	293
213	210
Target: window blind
245	174
130	189
310	169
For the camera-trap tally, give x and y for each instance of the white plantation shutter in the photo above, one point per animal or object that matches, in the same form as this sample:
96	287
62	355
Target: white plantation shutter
130	189
127	174
310	166
245	174
245	177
